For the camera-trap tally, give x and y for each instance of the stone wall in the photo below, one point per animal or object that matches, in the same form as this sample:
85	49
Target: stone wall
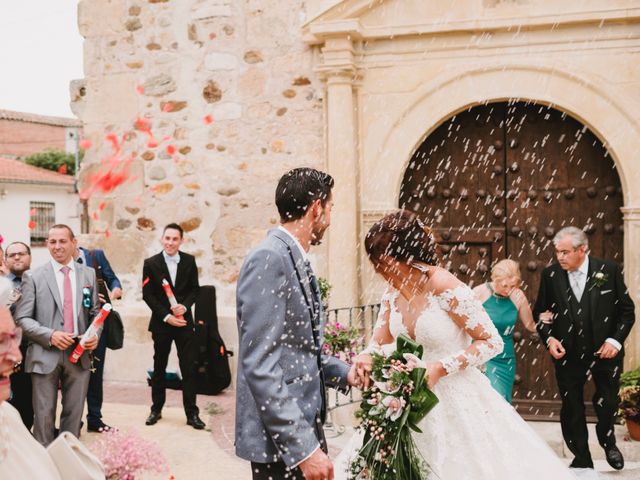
176	62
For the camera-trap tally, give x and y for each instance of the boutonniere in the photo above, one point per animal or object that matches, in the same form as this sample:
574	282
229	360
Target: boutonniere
86	296
599	279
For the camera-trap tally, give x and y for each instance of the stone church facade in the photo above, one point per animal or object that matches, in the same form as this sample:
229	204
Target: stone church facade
359	88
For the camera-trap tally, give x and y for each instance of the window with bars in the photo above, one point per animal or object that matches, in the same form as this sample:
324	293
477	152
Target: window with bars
43	217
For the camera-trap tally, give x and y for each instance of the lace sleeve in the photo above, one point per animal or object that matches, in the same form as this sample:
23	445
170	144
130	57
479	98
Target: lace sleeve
467	312
381	337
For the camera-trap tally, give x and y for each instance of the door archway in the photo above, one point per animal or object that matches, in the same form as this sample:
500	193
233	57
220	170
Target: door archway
497	181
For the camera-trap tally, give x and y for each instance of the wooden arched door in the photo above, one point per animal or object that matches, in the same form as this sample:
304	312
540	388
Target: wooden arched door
497	181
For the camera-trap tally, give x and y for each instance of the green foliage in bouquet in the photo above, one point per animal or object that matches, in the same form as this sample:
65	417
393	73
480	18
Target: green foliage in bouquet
398	400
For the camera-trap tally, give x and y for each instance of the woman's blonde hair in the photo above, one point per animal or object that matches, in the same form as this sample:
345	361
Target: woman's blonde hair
506	269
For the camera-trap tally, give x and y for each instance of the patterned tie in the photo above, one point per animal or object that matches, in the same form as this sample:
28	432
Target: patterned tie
67	304
576	285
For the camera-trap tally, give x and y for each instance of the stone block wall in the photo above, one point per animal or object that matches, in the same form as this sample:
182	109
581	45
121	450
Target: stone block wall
177	62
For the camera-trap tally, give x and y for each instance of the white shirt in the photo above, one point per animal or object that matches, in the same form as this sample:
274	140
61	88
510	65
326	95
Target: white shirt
305	255
172	262
172	265
74	287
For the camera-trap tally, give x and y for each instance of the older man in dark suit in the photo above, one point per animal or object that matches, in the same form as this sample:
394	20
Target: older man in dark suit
585	314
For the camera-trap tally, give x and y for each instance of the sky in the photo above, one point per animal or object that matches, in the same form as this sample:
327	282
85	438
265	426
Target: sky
40	53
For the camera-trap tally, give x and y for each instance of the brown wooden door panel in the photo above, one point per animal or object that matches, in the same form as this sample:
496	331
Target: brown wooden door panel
499	181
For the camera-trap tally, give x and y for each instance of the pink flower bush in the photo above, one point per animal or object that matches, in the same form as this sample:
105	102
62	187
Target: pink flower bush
125	455
342	341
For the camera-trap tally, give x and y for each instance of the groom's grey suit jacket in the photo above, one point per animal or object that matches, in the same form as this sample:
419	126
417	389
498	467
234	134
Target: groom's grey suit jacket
39	313
281	372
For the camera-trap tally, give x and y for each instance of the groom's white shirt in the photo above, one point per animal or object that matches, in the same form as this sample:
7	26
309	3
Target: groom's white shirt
305	257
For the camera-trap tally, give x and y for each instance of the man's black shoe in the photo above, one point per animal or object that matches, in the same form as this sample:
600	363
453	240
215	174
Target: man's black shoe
581	463
153	418
614	457
99	427
195	422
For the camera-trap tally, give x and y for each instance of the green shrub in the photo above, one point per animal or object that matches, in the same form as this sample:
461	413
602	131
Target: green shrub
55	160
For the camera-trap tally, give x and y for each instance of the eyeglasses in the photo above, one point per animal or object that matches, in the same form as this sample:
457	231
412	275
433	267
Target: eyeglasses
17	254
7	339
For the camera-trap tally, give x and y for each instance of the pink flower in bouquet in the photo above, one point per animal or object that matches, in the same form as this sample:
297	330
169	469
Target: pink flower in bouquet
413	361
126	455
395	406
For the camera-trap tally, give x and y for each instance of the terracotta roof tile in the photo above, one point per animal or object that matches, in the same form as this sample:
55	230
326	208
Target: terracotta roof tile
15	171
34	118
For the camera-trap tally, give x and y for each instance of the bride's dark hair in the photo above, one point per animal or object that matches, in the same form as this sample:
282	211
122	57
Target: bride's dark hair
401	235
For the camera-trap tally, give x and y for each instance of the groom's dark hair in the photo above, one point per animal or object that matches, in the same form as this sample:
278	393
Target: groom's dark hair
298	189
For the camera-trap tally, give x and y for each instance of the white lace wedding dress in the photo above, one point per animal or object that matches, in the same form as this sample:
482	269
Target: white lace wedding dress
473	433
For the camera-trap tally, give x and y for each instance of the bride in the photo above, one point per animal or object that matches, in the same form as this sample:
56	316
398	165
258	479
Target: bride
472	434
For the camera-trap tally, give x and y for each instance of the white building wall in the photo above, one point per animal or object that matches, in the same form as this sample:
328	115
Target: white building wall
15	210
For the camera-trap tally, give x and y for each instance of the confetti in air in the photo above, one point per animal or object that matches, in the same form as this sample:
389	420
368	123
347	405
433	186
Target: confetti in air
140	89
113	171
208	119
85	144
62	169
32	225
171	149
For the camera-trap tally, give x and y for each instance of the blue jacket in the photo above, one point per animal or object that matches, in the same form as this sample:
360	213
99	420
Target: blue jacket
103	265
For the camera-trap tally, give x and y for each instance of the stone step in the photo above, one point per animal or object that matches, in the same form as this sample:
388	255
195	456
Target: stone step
552	434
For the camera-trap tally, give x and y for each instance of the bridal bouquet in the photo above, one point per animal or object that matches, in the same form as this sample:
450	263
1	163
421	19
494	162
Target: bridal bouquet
397	401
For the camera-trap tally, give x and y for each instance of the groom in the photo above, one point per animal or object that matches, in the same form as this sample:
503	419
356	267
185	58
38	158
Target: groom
280	402
585	314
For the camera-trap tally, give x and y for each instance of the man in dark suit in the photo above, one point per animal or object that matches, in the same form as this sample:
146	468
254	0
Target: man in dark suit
172	323
109	287
18	261
584	315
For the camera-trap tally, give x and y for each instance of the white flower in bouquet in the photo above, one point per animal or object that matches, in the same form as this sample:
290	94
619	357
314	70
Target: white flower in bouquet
395	406
413	361
388	388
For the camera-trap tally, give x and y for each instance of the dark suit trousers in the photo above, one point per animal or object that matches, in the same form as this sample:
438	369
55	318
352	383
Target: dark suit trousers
95	394
185	344
571	375
21	397
275	471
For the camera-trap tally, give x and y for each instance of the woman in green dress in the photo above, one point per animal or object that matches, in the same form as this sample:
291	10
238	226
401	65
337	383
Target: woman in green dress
505	303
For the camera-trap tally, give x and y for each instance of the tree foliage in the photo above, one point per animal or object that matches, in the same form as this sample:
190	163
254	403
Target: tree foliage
55	160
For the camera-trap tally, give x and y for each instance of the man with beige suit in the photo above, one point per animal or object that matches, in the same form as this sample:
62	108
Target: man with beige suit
59	300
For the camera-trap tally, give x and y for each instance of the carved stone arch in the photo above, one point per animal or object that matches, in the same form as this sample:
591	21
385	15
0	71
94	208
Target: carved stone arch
597	108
